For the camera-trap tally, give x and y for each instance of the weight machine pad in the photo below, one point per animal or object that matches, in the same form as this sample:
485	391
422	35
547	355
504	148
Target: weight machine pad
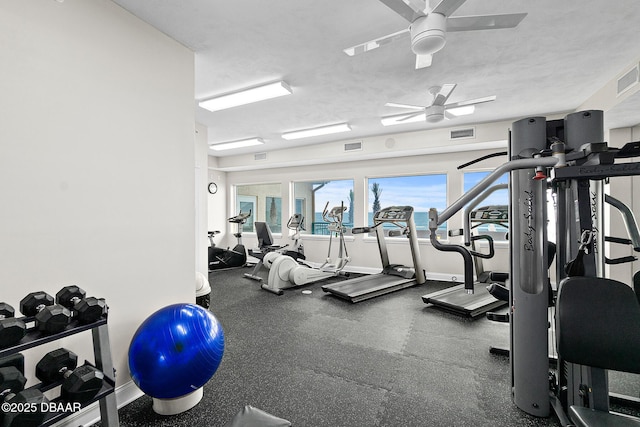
598	324
254	417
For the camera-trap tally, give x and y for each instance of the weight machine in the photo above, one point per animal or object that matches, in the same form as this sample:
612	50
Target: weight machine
578	184
578	162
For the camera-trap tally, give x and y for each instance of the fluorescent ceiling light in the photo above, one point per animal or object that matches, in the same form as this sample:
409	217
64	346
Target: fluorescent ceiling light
461	111
397	120
324	130
272	90
236	144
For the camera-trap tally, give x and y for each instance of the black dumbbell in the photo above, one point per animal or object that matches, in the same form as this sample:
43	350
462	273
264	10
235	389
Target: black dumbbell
51	318
85	309
79	384
12	330
12	391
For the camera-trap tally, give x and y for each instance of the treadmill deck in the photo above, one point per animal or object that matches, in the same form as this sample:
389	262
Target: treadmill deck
370	286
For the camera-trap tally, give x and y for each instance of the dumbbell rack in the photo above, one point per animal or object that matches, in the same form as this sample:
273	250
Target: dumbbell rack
103	362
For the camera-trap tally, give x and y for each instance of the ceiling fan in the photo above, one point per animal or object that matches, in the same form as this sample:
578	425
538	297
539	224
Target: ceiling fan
437	110
428	28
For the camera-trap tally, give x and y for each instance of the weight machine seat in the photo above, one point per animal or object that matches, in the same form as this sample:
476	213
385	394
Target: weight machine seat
598	325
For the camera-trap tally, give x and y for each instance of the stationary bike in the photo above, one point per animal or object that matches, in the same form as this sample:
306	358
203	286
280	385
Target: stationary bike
229	258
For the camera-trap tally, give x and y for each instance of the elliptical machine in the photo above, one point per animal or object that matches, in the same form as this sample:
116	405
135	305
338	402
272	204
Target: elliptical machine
296	224
220	258
285	272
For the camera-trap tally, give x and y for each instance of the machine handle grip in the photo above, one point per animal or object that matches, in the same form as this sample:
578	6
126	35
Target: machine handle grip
362	230
621	260
498	291
491	248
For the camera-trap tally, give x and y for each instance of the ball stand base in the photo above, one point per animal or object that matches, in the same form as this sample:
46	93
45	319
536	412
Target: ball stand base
177	405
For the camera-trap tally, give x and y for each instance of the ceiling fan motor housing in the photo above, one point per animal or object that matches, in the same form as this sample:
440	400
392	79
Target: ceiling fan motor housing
428	34
435	113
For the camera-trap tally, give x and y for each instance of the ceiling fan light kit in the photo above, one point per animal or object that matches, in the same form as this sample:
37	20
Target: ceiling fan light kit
435	113
428	34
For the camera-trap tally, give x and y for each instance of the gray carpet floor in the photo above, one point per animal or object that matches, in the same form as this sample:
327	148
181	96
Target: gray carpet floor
317	360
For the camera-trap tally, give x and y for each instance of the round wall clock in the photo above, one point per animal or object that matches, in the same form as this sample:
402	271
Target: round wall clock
213	188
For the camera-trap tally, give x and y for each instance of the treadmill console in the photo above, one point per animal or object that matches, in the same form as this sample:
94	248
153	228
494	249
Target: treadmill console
490	214
394	213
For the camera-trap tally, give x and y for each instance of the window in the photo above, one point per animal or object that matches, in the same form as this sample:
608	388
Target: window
312	196
422	192
265	203
497	198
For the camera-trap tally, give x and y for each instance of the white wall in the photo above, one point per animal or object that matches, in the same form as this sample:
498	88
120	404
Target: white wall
96	163
217	204
201	198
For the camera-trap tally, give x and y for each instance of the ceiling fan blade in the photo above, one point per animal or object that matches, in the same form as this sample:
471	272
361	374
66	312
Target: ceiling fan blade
447	7
408	9
448	115
484	22
471	102
409	106
423	61
410	116
374	44
443	94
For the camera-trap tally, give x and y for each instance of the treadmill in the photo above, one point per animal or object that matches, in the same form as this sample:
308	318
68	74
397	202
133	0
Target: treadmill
393	277
458	299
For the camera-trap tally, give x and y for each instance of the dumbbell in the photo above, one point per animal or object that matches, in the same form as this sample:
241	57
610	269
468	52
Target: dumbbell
28	403
85	309
51	318
12	330
79	384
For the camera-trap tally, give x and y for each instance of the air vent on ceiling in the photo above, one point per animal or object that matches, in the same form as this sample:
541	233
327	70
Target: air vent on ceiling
353	146
260	156
463	133
630	79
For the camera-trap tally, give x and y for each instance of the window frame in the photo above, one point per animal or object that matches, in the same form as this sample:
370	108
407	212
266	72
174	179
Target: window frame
422	227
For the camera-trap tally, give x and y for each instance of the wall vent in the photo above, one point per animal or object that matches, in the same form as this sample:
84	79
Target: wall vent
353	146
463	133
260	156
629	80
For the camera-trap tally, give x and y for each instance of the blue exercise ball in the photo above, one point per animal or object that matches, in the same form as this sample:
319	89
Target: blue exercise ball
176	351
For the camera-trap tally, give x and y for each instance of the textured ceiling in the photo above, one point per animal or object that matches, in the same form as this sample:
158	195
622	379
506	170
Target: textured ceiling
559	55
